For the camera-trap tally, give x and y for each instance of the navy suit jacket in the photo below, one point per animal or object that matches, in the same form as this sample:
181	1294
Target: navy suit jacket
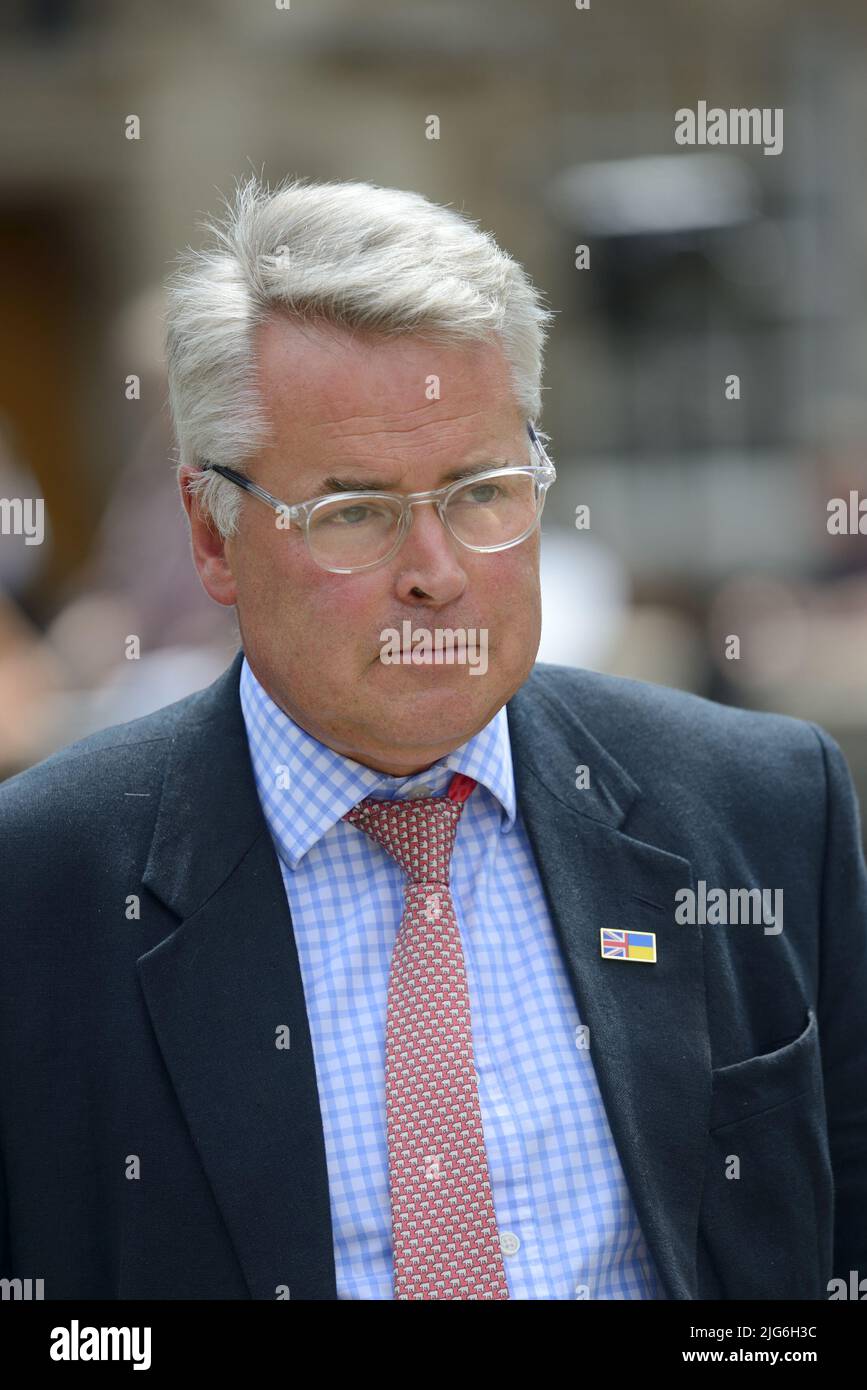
157	1144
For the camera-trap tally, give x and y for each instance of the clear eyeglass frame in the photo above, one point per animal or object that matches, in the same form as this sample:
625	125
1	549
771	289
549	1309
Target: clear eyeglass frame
301	514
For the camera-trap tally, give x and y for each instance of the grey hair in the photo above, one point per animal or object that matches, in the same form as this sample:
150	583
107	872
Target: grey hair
358	256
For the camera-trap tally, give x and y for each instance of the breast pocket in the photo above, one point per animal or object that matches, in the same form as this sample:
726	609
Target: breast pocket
766	1227
770	1079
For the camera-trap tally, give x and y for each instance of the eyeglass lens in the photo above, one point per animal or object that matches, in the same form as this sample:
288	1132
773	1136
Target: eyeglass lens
491	512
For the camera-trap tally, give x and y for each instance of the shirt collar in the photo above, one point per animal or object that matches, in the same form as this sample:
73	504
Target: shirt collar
305	787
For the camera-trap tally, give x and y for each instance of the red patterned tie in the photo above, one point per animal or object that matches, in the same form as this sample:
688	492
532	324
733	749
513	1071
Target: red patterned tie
444	1229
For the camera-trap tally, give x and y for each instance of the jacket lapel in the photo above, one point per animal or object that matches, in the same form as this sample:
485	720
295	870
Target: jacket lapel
648	1032
219	988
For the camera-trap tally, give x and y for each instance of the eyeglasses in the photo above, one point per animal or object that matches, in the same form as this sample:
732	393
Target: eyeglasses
350	531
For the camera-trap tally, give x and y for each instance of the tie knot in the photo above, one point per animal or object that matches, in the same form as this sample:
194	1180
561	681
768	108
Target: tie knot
418	834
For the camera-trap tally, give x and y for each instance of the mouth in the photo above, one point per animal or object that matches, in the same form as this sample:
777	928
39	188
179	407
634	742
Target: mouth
453	645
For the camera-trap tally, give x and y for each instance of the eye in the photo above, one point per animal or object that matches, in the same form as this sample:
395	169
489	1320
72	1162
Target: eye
354	515
351	516
482	494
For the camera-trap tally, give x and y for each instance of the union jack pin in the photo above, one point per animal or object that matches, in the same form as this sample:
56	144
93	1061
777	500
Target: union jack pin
628	945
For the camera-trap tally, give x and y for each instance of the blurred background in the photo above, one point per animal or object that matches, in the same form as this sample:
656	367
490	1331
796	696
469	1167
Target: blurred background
708	514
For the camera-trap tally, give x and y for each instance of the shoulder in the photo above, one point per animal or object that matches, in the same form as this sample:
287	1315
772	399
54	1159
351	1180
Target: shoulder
74	782
77	828
117	758
655	726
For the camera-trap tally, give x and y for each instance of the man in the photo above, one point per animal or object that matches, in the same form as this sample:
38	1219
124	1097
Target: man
378	970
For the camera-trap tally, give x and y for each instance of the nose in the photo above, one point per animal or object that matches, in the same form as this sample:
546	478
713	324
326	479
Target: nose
430	559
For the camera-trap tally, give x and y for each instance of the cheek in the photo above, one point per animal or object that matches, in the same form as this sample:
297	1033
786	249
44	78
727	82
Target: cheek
340	607
282	579
337	614
509	589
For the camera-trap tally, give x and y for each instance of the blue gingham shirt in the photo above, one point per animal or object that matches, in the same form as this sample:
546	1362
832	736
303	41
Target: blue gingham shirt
567	1224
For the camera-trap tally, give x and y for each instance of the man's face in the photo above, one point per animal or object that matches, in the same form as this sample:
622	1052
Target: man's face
356	407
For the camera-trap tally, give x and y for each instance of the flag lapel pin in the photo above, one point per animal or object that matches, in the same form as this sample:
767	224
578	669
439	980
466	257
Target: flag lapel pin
628	945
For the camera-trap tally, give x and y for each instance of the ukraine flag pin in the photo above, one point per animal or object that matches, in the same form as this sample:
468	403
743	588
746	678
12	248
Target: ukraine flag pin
628	945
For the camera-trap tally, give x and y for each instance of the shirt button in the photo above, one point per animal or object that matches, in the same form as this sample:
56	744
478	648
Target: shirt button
509	1243
421	790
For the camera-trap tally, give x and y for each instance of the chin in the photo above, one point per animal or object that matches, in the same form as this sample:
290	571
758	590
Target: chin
439	717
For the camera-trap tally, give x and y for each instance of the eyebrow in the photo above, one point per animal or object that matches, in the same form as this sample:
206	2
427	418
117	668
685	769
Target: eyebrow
353	484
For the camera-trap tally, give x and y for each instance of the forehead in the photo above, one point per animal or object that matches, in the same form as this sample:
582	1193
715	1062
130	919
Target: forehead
346	387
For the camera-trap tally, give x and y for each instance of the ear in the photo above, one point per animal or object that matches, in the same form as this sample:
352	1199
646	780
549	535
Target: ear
209	547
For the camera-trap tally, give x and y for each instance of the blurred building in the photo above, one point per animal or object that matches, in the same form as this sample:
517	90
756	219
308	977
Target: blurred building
556	131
